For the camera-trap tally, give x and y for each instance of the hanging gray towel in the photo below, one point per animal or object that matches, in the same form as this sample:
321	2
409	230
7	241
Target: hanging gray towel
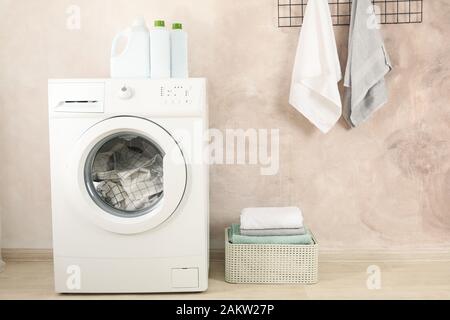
367	65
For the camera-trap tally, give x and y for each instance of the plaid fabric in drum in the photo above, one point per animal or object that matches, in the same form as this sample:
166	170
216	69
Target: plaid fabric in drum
129	174
140	184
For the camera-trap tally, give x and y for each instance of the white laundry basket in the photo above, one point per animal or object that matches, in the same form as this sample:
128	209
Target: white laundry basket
271	264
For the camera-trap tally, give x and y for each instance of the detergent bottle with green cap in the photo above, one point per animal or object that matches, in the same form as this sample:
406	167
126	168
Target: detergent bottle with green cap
179	51
160	51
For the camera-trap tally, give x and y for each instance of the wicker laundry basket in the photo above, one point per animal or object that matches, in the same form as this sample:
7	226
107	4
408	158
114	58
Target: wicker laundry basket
271	264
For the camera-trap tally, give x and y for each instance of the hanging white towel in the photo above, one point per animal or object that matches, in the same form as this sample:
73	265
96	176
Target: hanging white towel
314	89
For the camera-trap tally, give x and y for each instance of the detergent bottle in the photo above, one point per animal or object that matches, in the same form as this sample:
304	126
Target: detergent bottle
179	51
160	51
134	60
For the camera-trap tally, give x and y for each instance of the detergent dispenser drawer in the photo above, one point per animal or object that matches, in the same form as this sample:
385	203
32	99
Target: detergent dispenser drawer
77	97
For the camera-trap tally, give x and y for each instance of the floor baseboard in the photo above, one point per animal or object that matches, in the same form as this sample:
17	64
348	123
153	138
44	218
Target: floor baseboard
432	254
325	255
27	254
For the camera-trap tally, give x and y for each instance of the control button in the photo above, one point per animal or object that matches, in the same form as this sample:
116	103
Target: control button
125	93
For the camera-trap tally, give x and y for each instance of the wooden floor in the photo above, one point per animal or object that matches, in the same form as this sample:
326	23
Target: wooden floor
339	279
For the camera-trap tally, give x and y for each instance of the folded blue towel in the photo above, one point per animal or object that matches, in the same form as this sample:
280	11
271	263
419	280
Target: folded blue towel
235	237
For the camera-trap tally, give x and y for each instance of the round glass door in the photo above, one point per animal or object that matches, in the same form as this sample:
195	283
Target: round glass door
124	175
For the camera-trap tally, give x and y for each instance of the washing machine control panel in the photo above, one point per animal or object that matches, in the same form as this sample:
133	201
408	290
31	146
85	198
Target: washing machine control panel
176	94
169	97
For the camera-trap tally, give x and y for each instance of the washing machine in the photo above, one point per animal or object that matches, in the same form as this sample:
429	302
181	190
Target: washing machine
129	185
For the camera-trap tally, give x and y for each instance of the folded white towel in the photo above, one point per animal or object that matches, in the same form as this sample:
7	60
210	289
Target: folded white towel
271	218
317	71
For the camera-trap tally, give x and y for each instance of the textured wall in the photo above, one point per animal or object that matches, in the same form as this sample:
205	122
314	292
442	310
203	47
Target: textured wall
385	185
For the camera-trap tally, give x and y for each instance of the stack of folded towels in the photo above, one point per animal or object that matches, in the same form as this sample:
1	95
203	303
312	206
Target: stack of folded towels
270	226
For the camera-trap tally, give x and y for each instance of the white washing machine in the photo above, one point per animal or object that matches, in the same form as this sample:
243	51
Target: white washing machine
130	191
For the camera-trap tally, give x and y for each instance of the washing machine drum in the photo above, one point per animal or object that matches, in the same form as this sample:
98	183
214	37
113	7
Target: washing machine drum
130	174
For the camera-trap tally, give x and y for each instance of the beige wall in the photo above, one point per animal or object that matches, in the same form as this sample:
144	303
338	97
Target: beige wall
385	185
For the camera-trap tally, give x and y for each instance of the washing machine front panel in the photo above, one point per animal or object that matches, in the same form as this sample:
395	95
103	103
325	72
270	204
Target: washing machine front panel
130	172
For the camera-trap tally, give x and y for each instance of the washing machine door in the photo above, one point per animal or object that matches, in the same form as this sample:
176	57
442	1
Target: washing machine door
130	173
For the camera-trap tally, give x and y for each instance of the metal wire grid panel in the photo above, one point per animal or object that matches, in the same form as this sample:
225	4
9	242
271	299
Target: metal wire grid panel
291	12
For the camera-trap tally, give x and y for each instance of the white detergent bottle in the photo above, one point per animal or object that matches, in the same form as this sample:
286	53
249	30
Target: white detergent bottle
160	51
179	51
134	60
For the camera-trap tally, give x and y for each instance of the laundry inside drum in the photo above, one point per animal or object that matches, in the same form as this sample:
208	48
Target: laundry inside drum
124	175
